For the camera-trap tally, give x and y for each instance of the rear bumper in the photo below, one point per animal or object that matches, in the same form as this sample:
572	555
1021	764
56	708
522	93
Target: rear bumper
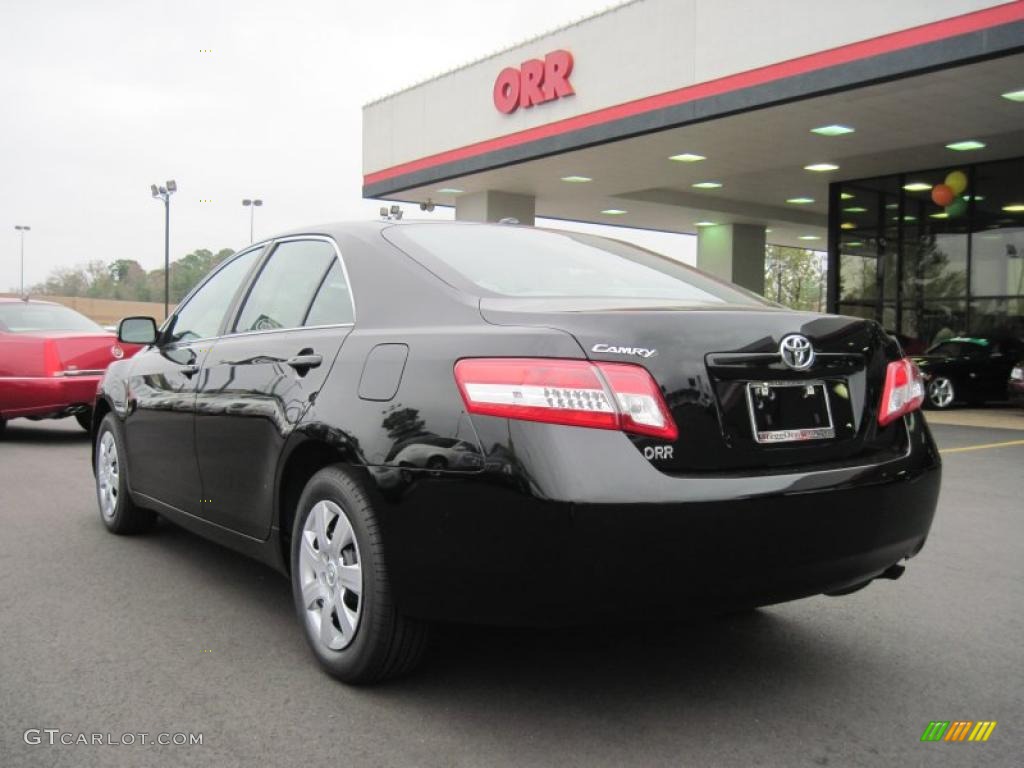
476	549
1015	392
45	396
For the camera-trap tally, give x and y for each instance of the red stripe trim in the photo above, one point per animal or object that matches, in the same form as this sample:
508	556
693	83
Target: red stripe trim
895	41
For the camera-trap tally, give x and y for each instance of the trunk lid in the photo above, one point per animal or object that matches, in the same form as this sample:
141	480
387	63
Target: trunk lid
704	358
71	352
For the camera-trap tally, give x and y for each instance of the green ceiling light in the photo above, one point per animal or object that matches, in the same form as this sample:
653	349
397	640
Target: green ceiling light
940	215
855	209
613	212
854	243
707	185
892	206
1014	208
974	197
800	200
846	196
848	225
687	157
917	186
707	224
577	179
832	130
820	167
966	145
809	237
1014	95
450	191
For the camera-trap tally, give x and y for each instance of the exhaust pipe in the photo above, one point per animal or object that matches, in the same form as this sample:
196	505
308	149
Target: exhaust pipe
893	572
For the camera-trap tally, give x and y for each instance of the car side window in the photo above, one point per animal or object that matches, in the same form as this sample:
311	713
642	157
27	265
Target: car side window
333	302
284	290
202	315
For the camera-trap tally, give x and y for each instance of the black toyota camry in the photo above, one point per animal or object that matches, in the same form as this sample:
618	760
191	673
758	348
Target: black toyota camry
422	422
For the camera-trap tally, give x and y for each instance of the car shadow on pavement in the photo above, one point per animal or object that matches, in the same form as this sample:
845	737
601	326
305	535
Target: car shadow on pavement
24	432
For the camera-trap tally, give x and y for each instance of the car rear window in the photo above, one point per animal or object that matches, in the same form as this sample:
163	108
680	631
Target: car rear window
528	262
19	317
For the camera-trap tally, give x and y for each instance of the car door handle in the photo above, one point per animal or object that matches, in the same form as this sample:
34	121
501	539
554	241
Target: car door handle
303	363
190	370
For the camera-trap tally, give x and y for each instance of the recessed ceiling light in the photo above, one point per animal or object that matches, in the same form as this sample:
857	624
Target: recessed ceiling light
800	200
449	191
1014	95
809	237
846	196
917	186
613	211
767	231
577	179
832	130
708	185
687	157
821	167
892	206
974	197
854	243
966	145
706	224
847	225
855	209
940	215
1014	208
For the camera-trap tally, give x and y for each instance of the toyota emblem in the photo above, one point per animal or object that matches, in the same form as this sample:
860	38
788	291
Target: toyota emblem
796	352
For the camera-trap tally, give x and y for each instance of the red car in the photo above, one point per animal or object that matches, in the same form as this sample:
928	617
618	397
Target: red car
51	360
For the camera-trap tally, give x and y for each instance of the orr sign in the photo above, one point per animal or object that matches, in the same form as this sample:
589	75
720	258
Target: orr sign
534	82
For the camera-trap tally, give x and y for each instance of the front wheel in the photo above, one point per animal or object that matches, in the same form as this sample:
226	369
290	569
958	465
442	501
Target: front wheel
340	584
941	393
117	510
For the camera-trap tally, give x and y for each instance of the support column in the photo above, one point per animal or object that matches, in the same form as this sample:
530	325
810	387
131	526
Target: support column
733	252
493	205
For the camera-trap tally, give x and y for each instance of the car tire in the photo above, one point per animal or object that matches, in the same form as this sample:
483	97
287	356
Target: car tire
941	393
84	419
118	512
3	427
339	574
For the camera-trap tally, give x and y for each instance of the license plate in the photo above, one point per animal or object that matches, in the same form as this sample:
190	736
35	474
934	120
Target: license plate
789	411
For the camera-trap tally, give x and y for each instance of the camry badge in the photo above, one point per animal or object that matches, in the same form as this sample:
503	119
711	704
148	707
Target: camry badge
117	352
796	352
613	350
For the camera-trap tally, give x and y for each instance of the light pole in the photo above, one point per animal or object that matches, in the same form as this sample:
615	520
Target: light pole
22	229
164	193
252	205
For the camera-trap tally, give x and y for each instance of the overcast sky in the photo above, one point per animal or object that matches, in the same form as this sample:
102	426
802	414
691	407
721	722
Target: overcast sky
102	99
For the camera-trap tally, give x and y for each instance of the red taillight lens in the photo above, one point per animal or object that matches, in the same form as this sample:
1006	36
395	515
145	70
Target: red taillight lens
572	392
903	391
51	358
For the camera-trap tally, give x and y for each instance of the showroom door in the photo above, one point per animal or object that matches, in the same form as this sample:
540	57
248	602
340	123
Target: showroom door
260	378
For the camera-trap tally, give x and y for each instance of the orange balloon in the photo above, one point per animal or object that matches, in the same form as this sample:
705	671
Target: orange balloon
942	194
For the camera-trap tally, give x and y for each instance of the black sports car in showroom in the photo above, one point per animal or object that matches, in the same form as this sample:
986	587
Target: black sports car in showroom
640	440
968	369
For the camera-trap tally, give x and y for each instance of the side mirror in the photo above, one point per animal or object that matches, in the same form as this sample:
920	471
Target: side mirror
137	330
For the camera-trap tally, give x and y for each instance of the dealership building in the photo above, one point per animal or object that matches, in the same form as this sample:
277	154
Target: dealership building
890	134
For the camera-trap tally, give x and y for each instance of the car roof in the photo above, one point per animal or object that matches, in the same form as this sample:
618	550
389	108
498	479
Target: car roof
15	299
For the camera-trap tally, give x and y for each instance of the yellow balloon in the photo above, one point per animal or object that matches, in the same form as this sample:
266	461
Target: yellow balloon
957	180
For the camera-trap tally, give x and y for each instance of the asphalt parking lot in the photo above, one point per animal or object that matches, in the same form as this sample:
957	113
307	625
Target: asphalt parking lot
166	633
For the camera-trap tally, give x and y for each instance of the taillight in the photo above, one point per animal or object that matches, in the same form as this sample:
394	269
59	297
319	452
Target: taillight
51	358
903	391
571	392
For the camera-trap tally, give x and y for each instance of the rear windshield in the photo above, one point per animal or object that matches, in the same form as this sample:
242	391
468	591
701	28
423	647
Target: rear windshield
18	317
527	262
959	349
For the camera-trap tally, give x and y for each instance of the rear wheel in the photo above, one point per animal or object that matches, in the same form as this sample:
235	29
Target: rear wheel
941	392
3	426
340	584
117	510
84	419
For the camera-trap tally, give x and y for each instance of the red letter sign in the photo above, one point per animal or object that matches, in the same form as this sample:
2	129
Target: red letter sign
534	82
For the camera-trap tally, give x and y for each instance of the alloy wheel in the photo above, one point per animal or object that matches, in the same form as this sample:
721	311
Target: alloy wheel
108	475
940	392
331	576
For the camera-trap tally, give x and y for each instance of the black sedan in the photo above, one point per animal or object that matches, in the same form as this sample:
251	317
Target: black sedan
468	422
968	369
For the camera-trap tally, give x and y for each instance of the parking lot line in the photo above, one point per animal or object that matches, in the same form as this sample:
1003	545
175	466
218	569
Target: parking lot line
982	446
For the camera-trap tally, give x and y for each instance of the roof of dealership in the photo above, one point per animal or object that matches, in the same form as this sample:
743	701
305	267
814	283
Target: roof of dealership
679	113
